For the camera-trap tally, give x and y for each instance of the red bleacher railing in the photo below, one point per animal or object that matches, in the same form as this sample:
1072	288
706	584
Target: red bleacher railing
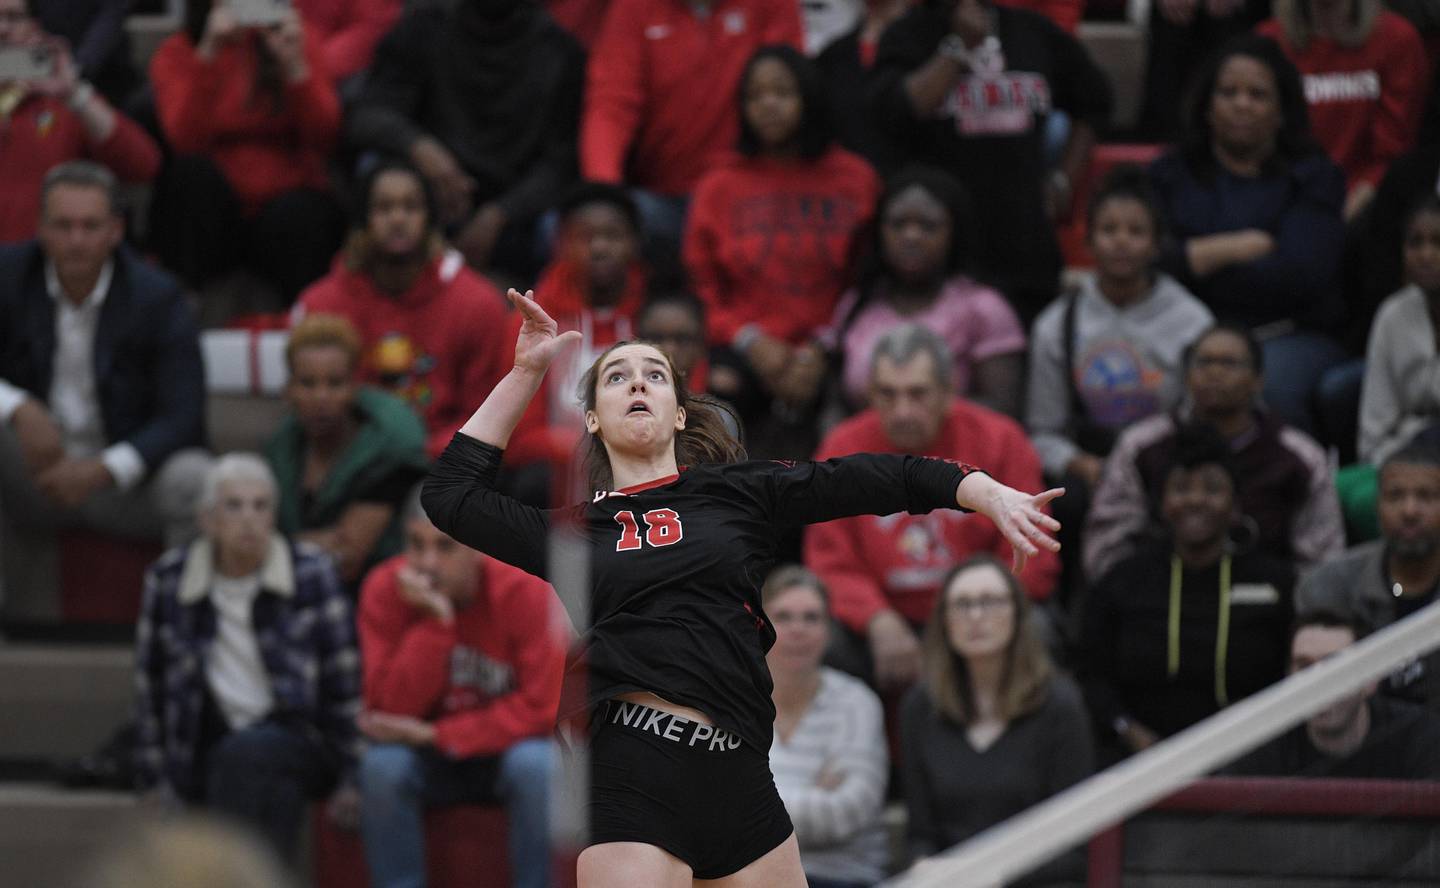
1273	797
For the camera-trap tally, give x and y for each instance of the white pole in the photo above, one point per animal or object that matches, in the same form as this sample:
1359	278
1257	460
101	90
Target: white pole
1019	844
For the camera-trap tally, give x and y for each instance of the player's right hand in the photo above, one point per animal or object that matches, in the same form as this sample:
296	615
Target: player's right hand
540	341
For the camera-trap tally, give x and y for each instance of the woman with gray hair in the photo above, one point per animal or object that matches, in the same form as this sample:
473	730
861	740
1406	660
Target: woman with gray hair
246	669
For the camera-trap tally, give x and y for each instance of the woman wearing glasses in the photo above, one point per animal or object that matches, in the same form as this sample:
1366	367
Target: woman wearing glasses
993	728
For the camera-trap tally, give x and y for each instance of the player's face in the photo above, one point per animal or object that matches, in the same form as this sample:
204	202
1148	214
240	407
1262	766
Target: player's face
802	630
1408	507
979	612
321	390
910	400
1123	239
636	407
447	564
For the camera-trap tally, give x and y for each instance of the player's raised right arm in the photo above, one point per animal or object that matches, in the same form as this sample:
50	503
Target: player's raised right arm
536	347
460	494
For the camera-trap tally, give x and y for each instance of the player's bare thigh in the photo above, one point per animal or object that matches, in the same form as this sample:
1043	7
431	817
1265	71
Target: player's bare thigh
627	864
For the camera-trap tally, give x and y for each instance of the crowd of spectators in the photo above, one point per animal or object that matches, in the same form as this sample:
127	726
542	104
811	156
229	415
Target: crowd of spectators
841	218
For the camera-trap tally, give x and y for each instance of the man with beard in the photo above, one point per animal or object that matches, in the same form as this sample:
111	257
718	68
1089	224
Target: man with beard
1390	578
431	330
1361	736
1286	495
485	99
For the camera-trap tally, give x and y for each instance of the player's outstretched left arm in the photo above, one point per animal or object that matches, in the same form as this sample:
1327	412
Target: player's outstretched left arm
1019	515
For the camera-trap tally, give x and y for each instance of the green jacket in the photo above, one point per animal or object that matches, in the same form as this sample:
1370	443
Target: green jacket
391	440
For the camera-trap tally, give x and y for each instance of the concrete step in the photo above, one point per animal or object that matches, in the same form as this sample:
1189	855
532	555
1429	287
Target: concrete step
60	701
45	833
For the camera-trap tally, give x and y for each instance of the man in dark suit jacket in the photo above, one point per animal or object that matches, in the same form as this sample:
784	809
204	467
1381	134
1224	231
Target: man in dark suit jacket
102	390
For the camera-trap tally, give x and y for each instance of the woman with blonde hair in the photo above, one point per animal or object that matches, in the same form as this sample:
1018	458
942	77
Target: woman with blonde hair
993	728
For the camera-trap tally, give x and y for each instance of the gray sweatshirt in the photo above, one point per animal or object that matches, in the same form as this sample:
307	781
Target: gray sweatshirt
1401	393
1126	363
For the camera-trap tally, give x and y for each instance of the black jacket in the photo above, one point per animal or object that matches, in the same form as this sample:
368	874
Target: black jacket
507	105
148	373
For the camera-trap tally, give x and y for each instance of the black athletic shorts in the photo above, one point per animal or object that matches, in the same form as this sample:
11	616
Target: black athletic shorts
696	791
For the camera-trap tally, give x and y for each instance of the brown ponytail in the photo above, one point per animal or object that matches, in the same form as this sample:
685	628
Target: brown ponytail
706	438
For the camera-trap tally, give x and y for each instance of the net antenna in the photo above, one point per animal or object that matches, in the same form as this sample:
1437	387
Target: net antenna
1018	845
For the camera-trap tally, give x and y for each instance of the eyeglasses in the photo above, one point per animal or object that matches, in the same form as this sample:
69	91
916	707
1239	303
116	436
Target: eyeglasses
983	605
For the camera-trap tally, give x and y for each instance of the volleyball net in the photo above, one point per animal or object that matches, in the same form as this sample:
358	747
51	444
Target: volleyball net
1164	778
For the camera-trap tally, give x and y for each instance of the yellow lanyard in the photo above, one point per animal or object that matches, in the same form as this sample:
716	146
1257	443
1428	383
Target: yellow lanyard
1222	629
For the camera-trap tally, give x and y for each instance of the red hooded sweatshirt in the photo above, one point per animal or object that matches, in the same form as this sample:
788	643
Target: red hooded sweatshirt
441	345
660	90
487	681
773	241
897	561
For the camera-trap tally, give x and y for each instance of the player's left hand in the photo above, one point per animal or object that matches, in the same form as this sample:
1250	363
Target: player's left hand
387	727
1019	516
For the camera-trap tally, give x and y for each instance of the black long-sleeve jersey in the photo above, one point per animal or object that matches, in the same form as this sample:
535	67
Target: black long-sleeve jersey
677	564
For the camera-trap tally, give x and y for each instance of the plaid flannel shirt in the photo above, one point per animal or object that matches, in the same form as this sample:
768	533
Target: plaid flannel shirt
306	634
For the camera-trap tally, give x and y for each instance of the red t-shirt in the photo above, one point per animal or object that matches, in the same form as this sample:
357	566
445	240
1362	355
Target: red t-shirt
487	681
897	561
441	345
1365	101
772	241
42	132
660	89
209	109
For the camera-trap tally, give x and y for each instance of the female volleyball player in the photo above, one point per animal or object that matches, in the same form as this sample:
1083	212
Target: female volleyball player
680	778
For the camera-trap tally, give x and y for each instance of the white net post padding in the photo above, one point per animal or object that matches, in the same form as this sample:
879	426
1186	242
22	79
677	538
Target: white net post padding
1018	845
569	565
